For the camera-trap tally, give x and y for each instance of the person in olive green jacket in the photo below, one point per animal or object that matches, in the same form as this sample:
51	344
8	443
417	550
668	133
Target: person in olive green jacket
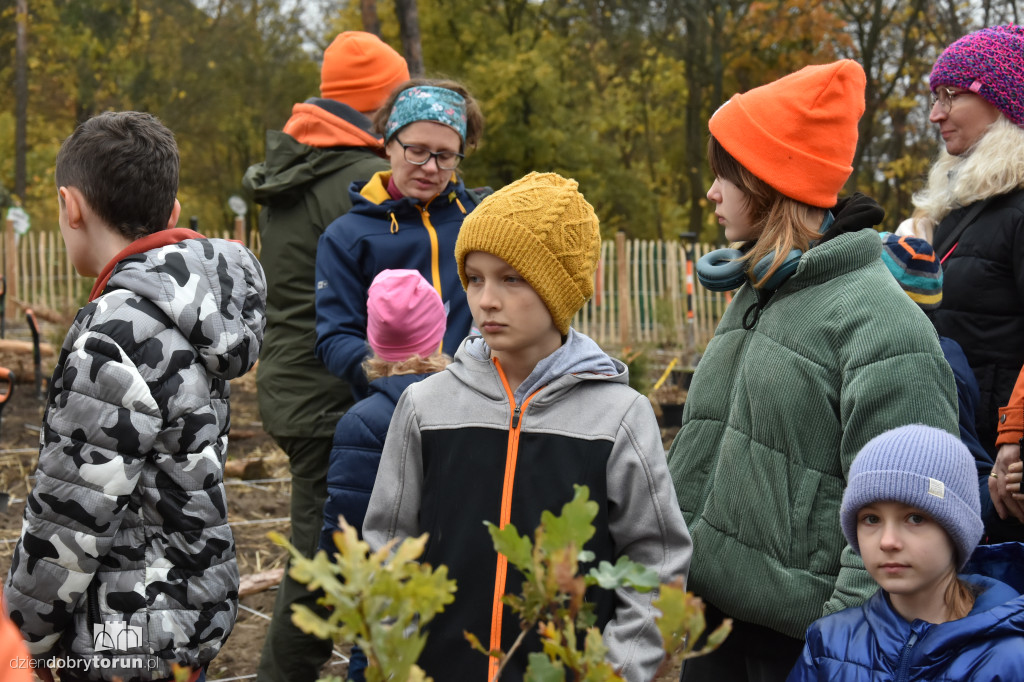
819	351
325	146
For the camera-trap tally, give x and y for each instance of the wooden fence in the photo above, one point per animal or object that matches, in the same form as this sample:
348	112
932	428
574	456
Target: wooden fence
646	294
39	274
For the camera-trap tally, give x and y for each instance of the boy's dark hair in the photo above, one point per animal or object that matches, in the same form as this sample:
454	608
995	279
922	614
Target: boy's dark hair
125	164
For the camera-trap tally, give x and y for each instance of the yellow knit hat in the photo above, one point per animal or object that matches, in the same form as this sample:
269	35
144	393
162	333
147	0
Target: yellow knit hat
543	227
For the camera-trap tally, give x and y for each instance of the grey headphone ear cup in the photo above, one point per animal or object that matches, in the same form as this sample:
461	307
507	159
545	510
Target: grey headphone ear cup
721	270
788	267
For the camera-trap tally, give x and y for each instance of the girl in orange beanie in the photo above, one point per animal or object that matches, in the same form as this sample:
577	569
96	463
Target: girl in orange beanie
819	352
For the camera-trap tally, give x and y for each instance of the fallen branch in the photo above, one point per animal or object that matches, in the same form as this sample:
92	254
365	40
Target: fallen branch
259	582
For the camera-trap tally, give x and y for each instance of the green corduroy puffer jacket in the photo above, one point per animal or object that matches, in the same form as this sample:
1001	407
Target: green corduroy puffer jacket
776	414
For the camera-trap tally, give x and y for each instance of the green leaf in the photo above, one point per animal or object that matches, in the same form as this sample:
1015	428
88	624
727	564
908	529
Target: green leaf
540	668
507	541
625	573
575	525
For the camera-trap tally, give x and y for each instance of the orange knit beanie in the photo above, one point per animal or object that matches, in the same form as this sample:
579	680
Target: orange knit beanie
798	133
361	70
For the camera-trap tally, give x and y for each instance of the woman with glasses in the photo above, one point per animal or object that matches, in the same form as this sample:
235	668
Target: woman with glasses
972	211
407	217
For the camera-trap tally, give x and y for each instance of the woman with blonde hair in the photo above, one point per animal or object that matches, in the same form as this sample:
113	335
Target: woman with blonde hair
819	351
972	211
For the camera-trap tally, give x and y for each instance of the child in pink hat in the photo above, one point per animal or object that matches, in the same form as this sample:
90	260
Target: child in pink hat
404	327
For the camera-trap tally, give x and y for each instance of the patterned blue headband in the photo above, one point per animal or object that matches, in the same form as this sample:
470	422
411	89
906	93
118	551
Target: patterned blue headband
427	103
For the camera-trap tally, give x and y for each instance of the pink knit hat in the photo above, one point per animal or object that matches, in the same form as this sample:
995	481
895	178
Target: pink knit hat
989	63
405	316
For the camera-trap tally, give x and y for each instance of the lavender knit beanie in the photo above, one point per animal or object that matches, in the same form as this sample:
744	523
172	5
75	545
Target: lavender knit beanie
923	467
990	63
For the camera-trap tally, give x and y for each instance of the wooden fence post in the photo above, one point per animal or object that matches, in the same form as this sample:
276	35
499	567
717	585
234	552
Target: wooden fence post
622	293
10	272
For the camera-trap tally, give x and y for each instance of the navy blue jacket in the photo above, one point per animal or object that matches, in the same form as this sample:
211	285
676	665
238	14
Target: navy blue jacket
872	642
355	454
380	233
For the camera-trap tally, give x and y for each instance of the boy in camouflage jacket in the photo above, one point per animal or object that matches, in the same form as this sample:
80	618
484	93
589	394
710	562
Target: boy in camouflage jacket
126	563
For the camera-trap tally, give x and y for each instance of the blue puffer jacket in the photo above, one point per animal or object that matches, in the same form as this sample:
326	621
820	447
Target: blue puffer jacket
355	455
873	642
380	233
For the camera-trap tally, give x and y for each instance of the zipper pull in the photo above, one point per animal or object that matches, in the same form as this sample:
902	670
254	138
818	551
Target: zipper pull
515	417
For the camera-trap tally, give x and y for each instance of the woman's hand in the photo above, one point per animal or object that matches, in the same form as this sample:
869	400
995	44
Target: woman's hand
1013	477
1007	503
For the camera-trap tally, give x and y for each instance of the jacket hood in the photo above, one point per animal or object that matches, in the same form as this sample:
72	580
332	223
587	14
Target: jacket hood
578	359
853	213
212	290
327	123
305	151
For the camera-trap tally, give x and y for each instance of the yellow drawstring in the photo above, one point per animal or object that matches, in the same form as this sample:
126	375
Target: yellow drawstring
461	207
394	223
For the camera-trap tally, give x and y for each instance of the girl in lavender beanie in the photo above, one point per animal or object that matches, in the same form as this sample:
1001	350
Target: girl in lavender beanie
911	512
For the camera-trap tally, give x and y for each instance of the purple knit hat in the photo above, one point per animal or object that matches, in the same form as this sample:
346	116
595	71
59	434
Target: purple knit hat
922	467
990	63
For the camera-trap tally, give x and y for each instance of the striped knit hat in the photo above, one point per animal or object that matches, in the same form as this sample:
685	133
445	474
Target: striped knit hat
914	265
544	228
925	468
989	63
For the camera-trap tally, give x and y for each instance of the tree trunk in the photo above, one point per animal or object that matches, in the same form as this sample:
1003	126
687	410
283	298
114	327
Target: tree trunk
409	27
21	99
371	22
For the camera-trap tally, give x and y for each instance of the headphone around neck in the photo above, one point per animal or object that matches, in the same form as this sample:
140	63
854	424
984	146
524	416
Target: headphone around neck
721	269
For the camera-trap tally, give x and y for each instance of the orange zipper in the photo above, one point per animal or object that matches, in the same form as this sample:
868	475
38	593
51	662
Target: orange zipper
511	455
435	268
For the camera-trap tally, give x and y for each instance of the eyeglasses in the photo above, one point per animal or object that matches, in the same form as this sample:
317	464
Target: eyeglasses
945	98
418	156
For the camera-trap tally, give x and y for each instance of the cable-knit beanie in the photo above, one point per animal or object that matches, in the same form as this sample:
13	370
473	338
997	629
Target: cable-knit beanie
361	70
544	228
799	133
404	316
989	63
922	467
913	263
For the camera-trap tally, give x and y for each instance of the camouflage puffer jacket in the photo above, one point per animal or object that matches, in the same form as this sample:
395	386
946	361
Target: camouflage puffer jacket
126	563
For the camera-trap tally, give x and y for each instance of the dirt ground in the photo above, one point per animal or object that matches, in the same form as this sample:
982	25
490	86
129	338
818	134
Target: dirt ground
256	506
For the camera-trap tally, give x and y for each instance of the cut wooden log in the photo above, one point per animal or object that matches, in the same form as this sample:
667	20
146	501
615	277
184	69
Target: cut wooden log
18	357
47	314
258	582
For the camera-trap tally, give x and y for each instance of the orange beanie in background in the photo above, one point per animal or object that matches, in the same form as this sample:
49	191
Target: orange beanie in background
361	70
799	133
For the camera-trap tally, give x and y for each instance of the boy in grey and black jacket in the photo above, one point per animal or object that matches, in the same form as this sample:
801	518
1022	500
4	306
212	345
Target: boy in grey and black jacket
126	564
527	410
